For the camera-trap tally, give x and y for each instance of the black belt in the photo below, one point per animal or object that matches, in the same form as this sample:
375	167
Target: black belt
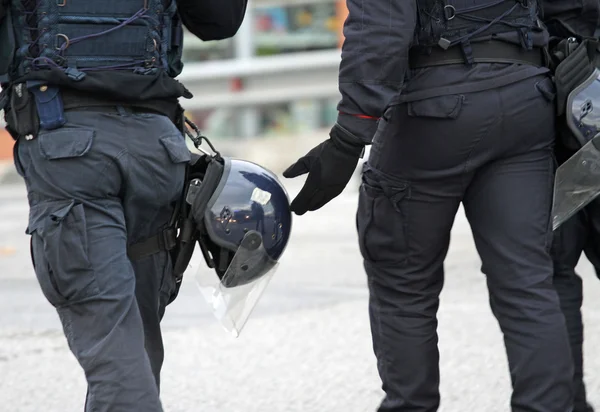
77	101
483	52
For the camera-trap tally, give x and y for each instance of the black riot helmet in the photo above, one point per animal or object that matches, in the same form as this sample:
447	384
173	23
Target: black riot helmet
237	212
240	215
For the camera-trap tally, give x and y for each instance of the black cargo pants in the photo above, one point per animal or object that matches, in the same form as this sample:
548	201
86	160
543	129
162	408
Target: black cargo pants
99	183
492	151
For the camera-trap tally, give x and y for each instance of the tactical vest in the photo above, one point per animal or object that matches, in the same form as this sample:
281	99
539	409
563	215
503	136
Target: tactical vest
447	23
142	36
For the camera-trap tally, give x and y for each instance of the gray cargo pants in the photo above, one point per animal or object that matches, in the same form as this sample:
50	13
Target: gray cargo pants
104	181
492	151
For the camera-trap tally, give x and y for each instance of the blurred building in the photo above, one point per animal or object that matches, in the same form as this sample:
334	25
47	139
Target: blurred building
278	75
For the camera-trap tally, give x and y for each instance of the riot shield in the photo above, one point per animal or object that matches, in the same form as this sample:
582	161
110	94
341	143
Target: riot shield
577	180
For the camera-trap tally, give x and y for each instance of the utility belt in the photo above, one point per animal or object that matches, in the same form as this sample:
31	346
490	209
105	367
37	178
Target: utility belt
32	106
483	52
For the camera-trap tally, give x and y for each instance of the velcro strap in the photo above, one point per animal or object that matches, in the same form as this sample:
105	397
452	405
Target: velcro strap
482	52
164	241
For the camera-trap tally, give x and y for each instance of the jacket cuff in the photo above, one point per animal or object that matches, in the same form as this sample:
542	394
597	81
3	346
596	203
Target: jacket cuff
361	128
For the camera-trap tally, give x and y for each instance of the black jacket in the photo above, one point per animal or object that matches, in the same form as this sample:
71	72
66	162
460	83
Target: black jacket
375	64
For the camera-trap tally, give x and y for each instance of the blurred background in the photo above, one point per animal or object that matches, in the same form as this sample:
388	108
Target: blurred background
269	95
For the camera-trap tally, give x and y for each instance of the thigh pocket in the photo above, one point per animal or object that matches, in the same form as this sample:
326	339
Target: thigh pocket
382	221
60	252
180	155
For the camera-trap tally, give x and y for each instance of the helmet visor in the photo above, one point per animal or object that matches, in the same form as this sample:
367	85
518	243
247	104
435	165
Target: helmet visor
233	297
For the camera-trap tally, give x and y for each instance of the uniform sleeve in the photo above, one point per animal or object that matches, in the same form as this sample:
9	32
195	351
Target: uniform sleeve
212	19
378	35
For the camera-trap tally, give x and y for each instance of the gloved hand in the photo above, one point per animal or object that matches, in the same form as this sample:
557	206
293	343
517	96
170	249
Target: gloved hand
329	165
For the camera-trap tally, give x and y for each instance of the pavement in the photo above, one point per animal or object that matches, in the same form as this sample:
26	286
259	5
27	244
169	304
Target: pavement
306	348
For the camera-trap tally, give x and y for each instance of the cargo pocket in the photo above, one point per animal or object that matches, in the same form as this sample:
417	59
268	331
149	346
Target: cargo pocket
67	160
59	247
180	156
382	221
442	107
65	143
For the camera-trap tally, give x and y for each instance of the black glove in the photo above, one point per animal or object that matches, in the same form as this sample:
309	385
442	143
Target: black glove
330	166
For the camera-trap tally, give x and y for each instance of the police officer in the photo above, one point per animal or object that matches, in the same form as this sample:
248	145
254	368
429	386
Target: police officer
456	99
90	96
580	233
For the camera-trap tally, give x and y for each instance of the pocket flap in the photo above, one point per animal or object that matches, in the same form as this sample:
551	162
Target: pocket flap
56	210
442	107
46	95
177	149
64	143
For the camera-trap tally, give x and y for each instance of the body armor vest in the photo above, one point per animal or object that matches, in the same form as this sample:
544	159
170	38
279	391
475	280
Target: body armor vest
142	36
446	23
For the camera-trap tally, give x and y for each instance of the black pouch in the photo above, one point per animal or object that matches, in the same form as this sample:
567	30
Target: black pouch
576	66
22	117
49	104
577	59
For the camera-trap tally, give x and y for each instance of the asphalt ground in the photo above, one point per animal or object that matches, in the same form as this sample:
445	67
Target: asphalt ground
306	348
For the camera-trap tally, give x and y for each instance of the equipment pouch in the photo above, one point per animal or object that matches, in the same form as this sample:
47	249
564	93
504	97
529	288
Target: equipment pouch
576	62
49	103
21	116
571	72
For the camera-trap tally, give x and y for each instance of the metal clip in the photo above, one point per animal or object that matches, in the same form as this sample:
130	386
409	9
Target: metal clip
449	12
66	44
197	139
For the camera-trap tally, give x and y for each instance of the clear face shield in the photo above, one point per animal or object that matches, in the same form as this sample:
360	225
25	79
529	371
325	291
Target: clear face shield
233	297
577	180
